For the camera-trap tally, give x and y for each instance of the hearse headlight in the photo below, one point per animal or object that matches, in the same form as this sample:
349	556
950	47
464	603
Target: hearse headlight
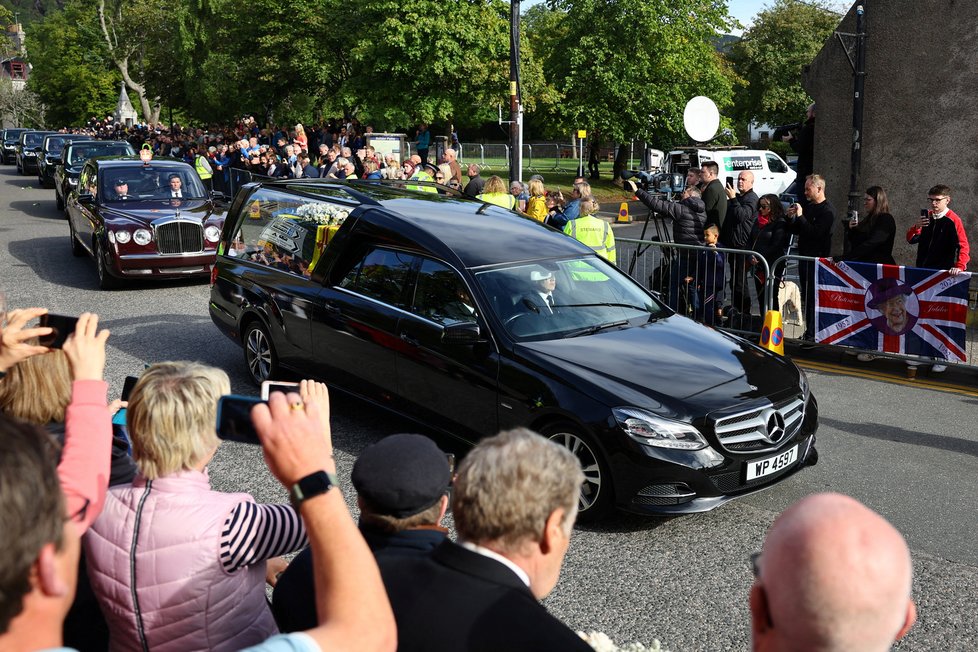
142	237
652	430
212	233
122	237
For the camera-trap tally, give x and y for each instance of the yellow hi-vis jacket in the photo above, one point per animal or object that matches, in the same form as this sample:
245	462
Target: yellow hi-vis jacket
503	199
595	233
421	175
203	168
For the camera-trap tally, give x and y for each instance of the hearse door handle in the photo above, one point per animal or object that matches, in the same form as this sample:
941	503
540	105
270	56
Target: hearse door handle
331	309
410	339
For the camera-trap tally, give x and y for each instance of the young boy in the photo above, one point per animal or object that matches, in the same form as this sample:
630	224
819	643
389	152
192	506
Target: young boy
708	279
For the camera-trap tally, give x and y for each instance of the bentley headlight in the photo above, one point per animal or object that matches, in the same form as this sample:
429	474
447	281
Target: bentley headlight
142	237
122	237
653	430
212	233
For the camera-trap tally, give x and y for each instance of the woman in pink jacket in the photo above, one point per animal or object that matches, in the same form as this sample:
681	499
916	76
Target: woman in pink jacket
176	565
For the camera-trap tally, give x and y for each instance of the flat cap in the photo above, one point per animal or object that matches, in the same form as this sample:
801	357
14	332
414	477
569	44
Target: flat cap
401	475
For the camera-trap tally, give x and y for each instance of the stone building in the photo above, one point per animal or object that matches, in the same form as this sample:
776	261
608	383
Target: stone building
920	124
125	114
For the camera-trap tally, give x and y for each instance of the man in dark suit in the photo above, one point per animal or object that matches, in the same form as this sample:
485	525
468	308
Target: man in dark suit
514	502
736	234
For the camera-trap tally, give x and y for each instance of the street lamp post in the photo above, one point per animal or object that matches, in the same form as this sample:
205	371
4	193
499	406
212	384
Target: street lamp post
516	118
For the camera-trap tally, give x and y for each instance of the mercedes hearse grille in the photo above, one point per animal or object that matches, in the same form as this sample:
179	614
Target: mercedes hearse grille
761	429
179	237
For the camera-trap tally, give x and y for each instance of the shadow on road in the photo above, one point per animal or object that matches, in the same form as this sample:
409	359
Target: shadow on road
903	436
51	259
44	208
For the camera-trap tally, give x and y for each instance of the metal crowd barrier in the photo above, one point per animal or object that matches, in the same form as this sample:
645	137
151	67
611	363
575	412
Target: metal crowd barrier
744	290
713	285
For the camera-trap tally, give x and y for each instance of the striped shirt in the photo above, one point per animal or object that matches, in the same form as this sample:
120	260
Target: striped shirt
254	533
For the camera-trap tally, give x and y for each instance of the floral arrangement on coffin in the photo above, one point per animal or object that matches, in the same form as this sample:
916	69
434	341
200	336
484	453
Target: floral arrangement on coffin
324	214
601	642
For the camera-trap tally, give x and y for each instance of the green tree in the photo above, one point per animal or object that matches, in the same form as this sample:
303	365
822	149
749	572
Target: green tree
771	55
70	73
628	68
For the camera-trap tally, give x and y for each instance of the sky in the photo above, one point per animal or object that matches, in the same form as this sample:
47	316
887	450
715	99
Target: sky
745	10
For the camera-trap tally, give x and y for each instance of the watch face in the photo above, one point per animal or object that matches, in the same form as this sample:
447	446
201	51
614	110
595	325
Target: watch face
312	485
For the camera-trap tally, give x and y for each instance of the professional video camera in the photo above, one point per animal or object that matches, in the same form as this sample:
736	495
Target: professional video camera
661	183
783	130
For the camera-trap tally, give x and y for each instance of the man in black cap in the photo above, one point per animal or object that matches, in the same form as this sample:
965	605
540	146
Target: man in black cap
121	189
402	483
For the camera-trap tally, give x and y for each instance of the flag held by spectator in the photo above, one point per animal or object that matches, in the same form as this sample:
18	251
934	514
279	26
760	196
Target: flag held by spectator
892	309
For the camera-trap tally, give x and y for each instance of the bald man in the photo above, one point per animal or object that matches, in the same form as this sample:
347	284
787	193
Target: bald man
833	576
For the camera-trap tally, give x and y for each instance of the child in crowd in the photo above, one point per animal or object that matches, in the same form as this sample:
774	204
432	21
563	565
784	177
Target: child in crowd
707	279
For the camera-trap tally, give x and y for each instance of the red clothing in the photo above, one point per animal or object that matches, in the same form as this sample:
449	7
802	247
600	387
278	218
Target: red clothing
942	244
87	454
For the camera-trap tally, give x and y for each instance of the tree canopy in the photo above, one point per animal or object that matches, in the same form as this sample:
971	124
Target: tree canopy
770	57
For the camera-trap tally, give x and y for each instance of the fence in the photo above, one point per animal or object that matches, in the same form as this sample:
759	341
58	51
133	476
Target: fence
537	157
744	286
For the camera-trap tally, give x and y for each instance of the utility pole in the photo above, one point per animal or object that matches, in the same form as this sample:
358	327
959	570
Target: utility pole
858	93
515	113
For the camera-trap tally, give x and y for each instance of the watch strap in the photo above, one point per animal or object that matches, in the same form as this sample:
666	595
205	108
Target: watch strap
313	484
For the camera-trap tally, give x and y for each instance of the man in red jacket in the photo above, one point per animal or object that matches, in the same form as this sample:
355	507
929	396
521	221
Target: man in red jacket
942	242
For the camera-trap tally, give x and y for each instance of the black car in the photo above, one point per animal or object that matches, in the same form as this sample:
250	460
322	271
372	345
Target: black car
10	138
434	307
73	157
143	220
49	157
28	148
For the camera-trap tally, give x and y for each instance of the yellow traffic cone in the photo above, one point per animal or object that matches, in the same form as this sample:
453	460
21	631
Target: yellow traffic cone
623	216
772	335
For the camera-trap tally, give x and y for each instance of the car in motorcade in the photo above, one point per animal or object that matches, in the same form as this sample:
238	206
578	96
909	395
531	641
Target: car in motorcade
431	306
126	217
10	138
771	173
73	157
49	158
28	147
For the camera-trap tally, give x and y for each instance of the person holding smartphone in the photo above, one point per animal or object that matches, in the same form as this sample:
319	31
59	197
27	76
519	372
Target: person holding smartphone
814	225
207	548
940	236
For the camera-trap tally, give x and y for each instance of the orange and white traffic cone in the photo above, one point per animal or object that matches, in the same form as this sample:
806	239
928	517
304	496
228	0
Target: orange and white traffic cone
772	335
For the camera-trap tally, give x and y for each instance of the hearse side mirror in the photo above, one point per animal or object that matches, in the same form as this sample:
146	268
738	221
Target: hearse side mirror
217	195
86	198
463	333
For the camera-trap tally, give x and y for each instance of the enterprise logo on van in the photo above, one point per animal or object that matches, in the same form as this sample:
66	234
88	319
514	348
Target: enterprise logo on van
738	163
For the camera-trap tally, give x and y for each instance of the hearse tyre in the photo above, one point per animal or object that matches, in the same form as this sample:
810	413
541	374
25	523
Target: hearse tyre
597	493
259	352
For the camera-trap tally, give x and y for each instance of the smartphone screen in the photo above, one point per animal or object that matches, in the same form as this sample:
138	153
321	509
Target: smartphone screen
730	182
62	326
269	386
127	386
234	419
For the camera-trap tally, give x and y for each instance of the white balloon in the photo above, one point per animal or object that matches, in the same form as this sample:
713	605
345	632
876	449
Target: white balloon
701	118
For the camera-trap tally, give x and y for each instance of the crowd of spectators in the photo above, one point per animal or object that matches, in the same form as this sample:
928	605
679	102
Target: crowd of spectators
176	565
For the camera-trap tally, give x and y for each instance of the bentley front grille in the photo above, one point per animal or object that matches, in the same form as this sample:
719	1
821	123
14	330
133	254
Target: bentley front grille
179	237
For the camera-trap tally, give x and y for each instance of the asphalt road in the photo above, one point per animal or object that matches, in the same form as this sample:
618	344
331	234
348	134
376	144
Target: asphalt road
909	452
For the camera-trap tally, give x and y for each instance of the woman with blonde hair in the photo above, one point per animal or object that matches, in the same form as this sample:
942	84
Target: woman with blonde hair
176	565
300	137
537	206
494	192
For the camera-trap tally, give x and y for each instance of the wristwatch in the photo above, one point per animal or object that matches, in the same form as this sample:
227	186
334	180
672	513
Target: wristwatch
312	485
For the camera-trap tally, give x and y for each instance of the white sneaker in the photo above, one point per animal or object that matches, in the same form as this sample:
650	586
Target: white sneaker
865	357
938	369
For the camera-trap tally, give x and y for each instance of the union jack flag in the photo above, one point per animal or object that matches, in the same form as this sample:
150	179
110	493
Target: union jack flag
892	309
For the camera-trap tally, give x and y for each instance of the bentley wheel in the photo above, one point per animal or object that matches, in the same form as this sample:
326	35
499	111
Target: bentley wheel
596	496
105	280
259	353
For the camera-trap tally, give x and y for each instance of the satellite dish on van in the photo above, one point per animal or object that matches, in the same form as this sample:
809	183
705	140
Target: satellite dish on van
701	119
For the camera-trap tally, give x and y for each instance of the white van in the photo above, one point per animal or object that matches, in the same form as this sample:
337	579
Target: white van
771	173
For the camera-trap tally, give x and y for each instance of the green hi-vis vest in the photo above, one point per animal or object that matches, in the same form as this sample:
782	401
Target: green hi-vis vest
595	233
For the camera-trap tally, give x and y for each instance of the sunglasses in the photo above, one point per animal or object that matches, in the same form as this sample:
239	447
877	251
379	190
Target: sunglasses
764	205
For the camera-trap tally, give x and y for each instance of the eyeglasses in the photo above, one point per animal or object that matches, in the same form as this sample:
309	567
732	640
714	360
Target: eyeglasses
936	200
754	566
439	178
79	515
